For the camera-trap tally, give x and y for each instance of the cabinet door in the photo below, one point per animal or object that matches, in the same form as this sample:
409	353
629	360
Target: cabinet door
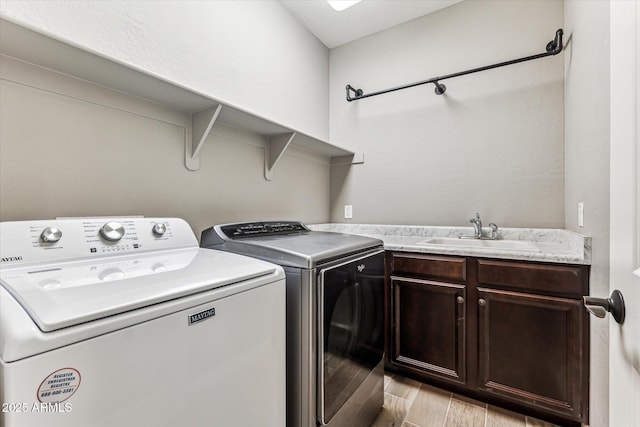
428	328
531	350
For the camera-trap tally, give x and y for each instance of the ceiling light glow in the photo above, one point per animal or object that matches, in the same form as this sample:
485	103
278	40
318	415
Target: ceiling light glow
340	5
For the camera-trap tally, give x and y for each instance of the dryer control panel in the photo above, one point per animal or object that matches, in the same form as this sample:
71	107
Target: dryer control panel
37	242
253	229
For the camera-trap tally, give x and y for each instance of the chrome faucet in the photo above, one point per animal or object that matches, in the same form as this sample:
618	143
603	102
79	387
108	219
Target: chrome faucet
477	229
477	226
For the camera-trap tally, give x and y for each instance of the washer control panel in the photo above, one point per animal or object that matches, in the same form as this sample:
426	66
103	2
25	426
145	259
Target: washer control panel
27	242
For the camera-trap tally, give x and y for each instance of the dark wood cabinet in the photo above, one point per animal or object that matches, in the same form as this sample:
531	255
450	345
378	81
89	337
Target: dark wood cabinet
429	327
530	350
508	332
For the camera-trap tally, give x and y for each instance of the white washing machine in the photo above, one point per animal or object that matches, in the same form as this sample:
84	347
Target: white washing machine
127	322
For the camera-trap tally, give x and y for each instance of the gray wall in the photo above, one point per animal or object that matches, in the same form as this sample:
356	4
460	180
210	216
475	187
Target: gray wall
587	165
68	148
493	143
248	53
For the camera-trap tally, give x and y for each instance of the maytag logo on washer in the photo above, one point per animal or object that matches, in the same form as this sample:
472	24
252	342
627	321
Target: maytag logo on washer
361	268
203	315
11	259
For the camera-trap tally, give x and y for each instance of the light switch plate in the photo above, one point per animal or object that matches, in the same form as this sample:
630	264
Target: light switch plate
580	214
348	211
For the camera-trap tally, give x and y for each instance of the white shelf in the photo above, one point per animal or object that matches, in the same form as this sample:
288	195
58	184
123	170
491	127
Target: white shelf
41	49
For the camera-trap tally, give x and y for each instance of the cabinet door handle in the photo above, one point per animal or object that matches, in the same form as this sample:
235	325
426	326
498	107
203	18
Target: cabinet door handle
482	302
460	299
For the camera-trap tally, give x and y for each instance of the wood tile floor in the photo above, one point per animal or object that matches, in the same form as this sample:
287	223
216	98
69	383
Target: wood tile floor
409	403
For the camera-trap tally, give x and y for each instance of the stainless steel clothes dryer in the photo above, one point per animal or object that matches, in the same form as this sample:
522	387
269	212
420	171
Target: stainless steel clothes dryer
335	319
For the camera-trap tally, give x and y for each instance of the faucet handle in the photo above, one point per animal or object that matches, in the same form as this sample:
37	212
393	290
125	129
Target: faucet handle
494	231
475	219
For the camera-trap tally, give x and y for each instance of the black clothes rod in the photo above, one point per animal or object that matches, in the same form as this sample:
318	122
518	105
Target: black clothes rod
554	47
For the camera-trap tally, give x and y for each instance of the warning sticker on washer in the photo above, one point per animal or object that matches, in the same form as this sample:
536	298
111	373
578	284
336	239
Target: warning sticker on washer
59	386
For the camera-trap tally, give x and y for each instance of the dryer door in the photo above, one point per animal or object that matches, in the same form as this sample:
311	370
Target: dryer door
350	328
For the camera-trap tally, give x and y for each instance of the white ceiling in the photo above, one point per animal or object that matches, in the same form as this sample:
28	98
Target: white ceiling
365	18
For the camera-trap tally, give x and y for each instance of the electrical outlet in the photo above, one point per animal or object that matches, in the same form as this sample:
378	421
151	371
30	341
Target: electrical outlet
580	214
348	211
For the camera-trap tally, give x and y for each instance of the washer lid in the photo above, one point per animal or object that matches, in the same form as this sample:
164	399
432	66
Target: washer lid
67	294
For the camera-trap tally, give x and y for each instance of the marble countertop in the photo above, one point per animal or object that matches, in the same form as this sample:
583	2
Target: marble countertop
553	245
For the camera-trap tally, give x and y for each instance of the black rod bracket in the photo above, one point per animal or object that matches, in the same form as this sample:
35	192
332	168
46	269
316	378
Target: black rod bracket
440	88
554	47
357	93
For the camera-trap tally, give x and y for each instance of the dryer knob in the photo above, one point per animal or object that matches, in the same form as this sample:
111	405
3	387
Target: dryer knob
112	231
51	235
159	229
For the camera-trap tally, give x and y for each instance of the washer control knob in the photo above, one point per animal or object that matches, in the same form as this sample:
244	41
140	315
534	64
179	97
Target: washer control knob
159	229
112	231
51	235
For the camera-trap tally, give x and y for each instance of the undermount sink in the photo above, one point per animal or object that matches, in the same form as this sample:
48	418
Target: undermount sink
520	245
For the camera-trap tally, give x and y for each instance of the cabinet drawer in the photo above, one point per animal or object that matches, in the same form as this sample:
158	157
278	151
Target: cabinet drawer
442	268
547	278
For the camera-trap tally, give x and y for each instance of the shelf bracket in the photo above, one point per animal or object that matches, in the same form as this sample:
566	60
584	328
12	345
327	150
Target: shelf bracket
201	124
273	151
356	158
